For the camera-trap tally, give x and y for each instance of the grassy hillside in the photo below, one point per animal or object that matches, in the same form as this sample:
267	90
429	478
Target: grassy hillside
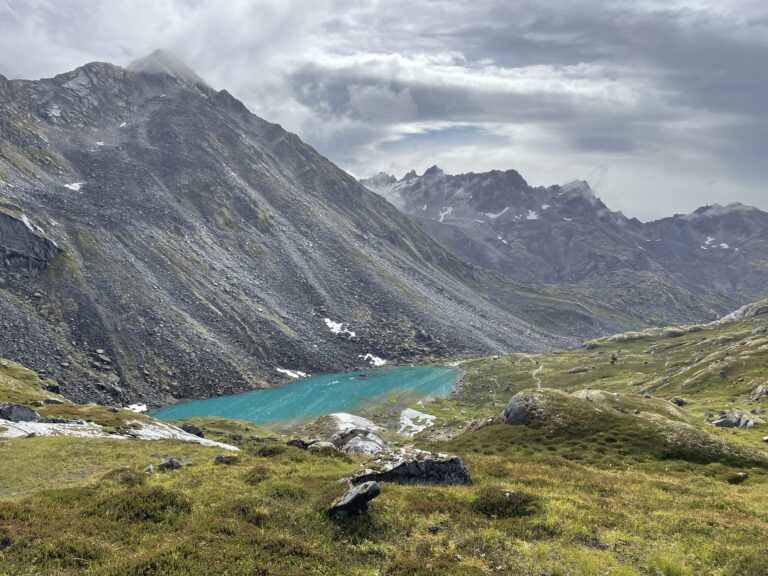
590	487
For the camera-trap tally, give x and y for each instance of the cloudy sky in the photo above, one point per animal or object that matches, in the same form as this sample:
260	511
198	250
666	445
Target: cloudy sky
660	105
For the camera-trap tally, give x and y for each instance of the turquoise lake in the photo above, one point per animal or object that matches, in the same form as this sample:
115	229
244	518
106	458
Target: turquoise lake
318	395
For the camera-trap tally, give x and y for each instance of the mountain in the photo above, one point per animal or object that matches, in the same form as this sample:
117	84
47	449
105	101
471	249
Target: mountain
158	241
683	268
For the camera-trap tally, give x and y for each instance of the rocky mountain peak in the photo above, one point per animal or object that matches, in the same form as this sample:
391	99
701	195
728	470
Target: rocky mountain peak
162	62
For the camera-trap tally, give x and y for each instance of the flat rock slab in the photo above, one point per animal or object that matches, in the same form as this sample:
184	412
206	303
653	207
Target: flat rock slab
18	413
416	467
356	500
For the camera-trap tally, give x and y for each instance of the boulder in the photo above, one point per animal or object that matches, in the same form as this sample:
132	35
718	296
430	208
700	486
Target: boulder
225	459
356	500
679	402
759	393
413	466
18	413
149	469
359	441
170	463
301	443
523	409
734	419
192	429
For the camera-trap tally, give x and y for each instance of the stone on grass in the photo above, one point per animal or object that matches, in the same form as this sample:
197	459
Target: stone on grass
355	501
18	413
170	463
734	419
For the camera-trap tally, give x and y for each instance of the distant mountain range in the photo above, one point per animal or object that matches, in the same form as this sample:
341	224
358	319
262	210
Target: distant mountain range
683	268
158	241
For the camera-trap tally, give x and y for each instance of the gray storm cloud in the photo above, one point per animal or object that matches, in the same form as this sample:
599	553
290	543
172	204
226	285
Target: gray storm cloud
659	104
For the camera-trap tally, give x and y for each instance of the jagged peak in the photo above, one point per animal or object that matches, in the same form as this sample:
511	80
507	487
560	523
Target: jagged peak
410	175
434	170
163	62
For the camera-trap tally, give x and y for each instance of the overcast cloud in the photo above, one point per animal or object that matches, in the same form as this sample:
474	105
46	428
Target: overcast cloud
660	105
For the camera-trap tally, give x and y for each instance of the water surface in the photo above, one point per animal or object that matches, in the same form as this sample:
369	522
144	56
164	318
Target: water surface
318	395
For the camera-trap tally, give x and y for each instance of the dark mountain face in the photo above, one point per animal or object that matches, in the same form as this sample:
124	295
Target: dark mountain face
684	268
158	241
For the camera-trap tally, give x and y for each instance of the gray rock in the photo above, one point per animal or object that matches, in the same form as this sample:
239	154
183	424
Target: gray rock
522	409
356	500
416	467
679	402
300	443
759	393
225	459
18	413
734	419
149	469
170	463
192	429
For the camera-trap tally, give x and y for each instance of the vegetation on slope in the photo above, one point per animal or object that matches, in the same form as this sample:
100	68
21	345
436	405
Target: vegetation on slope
589	488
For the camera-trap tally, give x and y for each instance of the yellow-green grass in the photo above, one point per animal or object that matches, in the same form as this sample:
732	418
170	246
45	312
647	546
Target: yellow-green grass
225	519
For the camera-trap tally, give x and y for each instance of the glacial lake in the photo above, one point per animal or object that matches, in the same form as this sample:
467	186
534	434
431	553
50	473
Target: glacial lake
315	396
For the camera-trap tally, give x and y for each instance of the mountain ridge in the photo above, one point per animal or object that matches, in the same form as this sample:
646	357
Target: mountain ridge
202	248
680	268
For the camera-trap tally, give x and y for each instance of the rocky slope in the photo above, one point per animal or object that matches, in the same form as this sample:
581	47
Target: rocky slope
159	241
683	268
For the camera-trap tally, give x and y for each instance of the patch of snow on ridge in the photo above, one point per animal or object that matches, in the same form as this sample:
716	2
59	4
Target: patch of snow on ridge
292	373
545	206
139	408
74	186
338	328
532	215
724	246
82	429
412	421
494	216
345	420
122	125
446	212
374	360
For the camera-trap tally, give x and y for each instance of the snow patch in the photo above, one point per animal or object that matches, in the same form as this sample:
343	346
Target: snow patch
446	212
494	216
122	125
139	408
99	143
74	186
82	429
412	421
344	420
532	215
338	328
292	373
373	360
545	206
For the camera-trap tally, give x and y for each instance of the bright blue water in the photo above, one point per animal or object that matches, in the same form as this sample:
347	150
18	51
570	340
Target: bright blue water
318	395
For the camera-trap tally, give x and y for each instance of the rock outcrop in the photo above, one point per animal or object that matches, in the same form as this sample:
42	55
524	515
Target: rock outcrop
18	413
23	245
413	466
356	500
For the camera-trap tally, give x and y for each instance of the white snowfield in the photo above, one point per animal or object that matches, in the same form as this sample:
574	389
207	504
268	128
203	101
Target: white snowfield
345	420
142	431
292	373
74	186
412	421
374	360
338	328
